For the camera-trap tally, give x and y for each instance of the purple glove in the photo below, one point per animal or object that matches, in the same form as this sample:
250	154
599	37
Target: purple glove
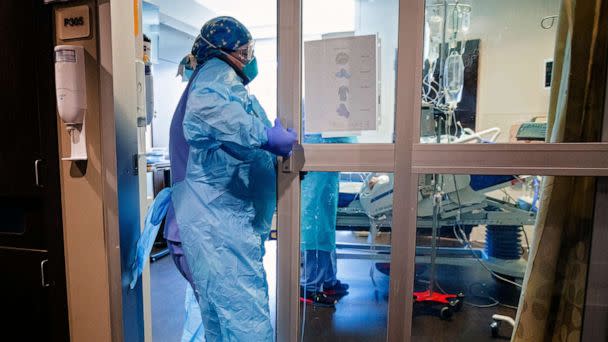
280	140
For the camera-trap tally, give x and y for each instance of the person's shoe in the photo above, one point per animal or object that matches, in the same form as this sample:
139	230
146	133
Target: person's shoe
339	289
317	299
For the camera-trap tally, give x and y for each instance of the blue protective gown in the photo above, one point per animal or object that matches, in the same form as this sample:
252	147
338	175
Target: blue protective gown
224	205
319	206
320	192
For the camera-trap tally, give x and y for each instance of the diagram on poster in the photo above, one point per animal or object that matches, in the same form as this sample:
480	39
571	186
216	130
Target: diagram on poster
341	84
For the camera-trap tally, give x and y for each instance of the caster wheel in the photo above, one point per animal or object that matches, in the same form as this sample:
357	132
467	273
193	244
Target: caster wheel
494	326
457	304
459	301
446	313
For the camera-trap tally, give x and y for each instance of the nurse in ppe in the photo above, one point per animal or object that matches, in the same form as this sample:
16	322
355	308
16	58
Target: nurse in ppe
222	150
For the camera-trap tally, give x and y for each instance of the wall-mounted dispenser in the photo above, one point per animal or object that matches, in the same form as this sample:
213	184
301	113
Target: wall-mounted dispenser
71	92
149	80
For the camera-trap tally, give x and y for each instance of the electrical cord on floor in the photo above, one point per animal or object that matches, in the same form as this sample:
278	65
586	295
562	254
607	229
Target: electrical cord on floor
468	243
484	306
495	302
509	306
483	264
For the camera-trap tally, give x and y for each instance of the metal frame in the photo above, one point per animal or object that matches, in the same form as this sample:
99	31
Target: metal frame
407	125
360	157
340	157
407	158
538	159
288	200
124	46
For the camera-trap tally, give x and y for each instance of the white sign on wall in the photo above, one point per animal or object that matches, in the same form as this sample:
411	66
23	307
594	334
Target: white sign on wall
341	84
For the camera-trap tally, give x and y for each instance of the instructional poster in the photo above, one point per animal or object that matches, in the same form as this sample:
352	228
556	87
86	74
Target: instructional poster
341	84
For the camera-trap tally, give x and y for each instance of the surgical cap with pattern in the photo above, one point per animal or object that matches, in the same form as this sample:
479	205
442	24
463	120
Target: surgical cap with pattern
225	33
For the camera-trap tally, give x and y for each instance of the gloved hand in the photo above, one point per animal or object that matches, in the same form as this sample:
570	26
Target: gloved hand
280	140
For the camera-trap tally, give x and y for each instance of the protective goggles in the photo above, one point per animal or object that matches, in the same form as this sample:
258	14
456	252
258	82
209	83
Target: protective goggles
244	53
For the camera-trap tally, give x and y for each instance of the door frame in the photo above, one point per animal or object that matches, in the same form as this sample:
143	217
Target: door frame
406	158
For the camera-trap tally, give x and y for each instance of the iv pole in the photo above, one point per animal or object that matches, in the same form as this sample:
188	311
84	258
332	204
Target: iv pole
448	303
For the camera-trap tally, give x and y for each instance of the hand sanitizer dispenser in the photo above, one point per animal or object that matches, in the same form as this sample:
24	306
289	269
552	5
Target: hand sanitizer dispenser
71	93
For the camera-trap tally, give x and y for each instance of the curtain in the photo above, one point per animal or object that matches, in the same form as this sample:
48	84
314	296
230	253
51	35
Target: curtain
553	297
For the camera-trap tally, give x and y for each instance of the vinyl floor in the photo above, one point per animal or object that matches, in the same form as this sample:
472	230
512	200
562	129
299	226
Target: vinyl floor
362	314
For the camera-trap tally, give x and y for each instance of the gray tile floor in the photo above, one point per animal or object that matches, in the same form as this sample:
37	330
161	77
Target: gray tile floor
168	289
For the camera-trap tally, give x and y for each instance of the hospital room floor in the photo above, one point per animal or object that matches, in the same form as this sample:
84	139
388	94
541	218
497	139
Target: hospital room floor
362	314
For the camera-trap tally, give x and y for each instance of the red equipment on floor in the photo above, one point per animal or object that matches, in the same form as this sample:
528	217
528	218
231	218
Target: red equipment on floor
445	302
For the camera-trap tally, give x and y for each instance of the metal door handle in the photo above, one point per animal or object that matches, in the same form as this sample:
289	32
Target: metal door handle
37	173
295	163
43	280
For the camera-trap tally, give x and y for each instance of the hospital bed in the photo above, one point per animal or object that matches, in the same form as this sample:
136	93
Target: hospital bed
366	204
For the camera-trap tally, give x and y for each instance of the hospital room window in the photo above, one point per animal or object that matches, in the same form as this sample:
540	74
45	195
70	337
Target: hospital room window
488	71
476	238
345	255
349	60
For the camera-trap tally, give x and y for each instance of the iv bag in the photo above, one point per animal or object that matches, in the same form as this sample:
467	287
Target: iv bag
465	23
427	41
436	28
464	15
453	78
435	31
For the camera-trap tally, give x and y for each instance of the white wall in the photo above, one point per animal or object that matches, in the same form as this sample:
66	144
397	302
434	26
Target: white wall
512	54
167	91
189	13
264	86
173	46
363	17
381	18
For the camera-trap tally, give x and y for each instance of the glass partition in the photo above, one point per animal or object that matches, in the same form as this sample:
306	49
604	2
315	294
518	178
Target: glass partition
349	70
476	237
488	70
345	246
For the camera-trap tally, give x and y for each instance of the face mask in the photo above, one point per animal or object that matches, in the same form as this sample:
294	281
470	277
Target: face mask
250	70
187	74
186	67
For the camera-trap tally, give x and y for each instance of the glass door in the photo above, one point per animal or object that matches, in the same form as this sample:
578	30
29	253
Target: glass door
337	86
375	184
